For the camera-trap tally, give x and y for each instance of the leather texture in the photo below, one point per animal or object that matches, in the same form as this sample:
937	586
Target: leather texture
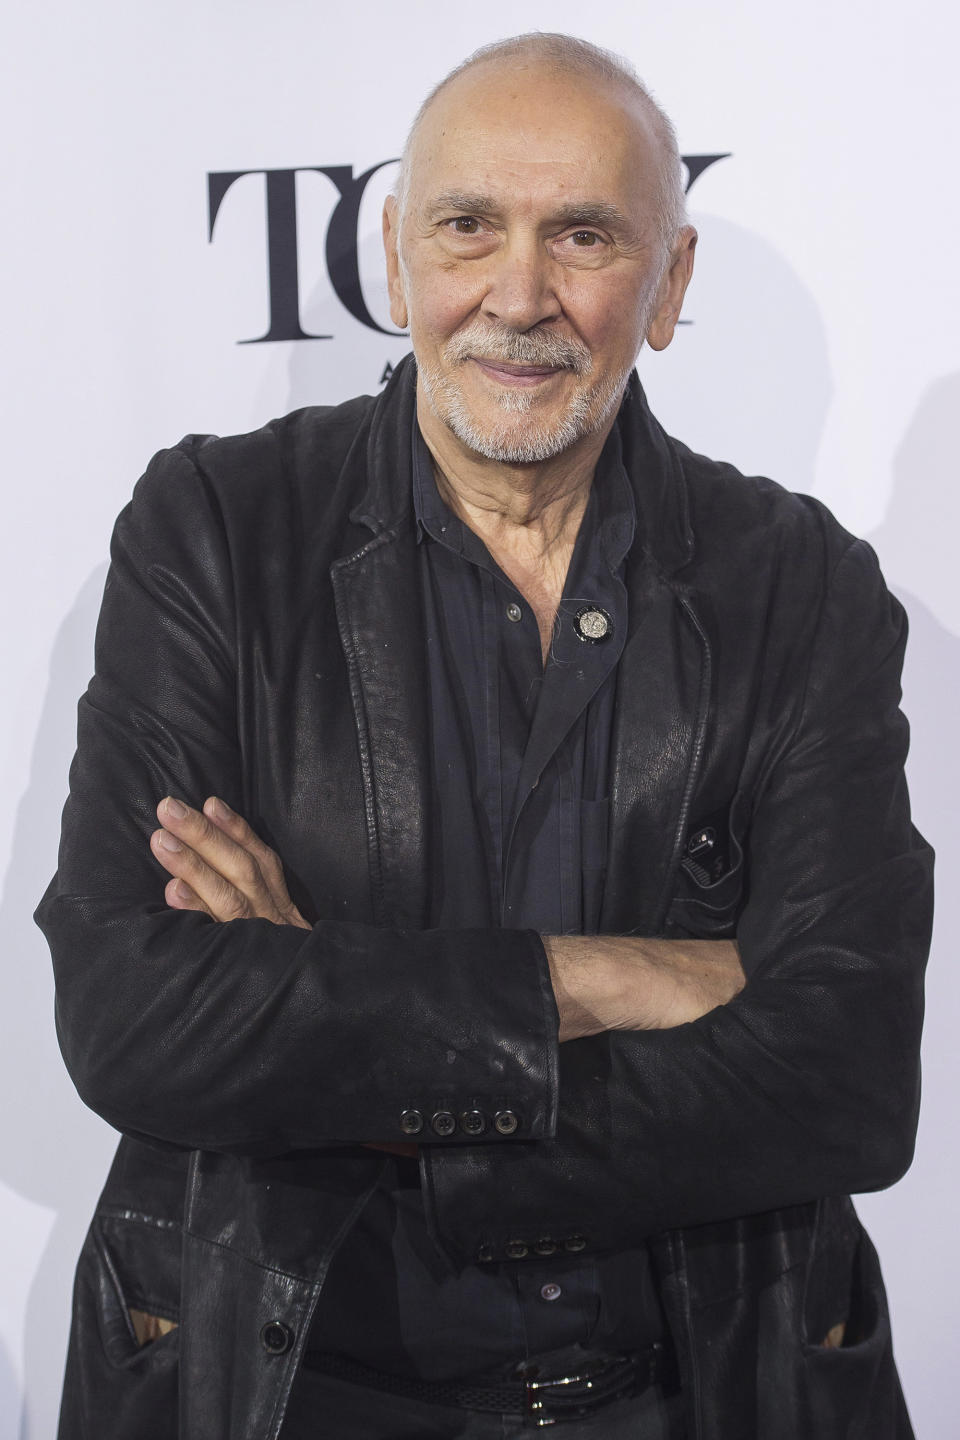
261	638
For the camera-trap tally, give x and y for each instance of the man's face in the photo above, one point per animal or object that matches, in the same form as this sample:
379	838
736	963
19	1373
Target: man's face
528	262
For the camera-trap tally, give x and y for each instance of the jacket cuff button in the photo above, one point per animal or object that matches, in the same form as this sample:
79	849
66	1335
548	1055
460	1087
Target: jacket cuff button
443	1123
505	1122
411	1122
545	1246
484	1254
575	1242
275	1337
473	1122
516	1249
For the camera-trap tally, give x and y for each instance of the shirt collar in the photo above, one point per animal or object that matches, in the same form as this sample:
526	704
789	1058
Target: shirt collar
611	507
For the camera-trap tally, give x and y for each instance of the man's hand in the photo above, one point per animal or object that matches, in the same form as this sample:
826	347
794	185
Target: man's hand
219	866
625	983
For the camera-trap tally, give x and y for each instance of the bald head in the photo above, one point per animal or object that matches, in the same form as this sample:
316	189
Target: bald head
577	60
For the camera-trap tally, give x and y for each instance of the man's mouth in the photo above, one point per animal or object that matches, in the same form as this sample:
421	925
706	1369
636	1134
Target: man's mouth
510	374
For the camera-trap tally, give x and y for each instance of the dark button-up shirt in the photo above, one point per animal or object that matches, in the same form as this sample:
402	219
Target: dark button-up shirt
520	748
520	760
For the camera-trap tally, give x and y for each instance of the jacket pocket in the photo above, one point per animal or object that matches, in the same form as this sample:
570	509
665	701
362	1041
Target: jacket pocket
828	1292
851	1384
711	881
121	1375
138	1262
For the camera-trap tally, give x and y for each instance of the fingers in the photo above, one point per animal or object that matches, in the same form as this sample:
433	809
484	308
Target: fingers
223	867
224	877
234	825
218	812
179	896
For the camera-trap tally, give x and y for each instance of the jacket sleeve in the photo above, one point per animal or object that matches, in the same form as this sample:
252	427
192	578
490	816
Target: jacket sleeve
807	1084
246	1036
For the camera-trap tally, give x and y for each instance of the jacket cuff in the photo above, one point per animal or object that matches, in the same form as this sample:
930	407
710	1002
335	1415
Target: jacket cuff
483	1055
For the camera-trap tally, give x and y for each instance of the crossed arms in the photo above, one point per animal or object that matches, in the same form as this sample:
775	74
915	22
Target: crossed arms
256	1035
219	867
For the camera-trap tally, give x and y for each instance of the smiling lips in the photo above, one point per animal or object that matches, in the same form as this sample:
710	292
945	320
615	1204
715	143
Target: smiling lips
509	374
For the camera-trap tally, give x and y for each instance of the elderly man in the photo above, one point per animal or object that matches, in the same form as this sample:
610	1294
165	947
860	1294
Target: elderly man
539	961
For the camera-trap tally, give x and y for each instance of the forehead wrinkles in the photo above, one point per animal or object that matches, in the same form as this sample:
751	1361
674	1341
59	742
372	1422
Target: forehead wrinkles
509	166
496	140
527	199
488	178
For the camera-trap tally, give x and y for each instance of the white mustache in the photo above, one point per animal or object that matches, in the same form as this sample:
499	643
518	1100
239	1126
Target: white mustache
518	347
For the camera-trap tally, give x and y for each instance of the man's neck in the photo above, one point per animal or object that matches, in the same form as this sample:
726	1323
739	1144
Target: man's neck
529	511
528	516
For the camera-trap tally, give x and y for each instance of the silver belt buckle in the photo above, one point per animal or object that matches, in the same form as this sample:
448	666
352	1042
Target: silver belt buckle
539	1412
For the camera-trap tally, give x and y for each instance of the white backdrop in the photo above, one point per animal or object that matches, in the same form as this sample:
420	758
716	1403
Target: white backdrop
823	351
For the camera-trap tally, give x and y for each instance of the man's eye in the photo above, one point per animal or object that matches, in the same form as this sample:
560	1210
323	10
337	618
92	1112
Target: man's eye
465	225
585	238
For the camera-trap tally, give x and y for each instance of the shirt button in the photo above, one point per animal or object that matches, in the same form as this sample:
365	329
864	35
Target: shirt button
514	613
550	1291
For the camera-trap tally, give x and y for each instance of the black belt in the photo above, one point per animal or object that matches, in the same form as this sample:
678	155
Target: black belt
543	1399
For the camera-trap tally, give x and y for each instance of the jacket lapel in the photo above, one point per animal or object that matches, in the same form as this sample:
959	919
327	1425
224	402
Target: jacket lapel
380	618
663	688
379	612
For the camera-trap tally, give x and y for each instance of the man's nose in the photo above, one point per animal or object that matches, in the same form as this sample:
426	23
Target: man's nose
521	286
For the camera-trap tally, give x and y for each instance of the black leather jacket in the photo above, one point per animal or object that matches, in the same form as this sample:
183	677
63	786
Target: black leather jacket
261	638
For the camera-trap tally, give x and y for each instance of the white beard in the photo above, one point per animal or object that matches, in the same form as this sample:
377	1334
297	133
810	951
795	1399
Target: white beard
512	443
537	441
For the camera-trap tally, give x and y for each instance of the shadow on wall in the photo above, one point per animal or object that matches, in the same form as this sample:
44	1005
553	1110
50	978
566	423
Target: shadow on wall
55	1152
917	544
917	540
748	380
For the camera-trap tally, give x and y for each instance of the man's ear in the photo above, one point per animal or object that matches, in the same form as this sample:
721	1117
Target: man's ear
673	287
391	244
